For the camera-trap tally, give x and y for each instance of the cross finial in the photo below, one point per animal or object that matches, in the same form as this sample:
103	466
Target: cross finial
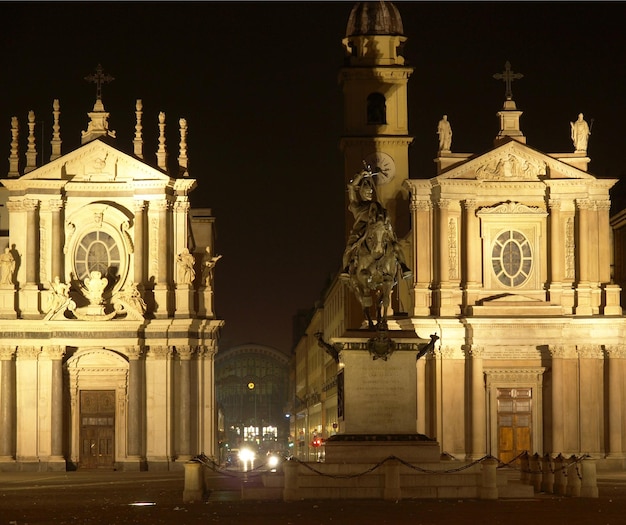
98	79
507	76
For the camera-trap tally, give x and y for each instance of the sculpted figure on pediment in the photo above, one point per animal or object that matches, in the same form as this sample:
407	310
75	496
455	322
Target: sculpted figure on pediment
511	167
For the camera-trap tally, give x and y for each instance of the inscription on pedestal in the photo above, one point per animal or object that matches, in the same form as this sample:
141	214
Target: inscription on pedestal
379	396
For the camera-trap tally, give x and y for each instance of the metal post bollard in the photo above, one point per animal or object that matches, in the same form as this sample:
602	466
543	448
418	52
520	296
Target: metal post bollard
589	487
535	472
194	482
547	480
525	468
560	476
573	478
290	490
489	486
392	481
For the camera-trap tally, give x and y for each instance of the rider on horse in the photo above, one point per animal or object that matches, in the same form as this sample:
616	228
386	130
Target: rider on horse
366	209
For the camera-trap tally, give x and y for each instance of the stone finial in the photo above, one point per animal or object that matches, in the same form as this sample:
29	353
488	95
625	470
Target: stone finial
99	124
161	152
138	142
13	158
31	151
56	131
183	161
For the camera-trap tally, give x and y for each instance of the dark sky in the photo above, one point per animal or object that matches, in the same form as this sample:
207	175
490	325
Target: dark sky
257	83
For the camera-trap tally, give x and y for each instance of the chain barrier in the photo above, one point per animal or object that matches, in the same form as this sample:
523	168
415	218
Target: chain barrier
262	469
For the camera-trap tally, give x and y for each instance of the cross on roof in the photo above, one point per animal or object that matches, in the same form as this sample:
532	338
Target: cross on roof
98	79
507	76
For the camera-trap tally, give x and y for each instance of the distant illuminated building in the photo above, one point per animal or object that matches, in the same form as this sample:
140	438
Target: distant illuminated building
108	334
251	383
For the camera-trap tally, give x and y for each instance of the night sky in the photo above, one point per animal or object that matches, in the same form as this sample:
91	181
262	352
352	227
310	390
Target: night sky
257	83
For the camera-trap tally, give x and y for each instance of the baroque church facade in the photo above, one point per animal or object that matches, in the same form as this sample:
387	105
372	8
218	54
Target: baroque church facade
511	252
108	331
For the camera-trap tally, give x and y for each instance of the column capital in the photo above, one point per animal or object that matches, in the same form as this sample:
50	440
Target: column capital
562	351
555	204
134	352
28	352
7	353
160	205
590	351
420	205
584	204
54	352
185	352
474	351
615	351
140	206
159	352
469	204
182	204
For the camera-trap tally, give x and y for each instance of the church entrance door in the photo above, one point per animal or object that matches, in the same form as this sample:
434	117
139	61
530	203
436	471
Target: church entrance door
97	428
514	422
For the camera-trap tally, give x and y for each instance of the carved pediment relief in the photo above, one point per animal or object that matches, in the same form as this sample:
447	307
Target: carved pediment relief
511	166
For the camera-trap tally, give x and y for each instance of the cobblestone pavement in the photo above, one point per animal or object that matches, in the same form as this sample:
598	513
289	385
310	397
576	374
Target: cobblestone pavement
156	498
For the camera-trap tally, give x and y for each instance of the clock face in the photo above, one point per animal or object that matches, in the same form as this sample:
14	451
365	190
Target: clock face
383	164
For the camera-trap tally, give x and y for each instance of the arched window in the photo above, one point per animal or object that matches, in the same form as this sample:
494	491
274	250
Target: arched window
376	109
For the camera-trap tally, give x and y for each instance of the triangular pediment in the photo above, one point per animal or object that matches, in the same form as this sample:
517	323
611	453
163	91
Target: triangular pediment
95	161
513	161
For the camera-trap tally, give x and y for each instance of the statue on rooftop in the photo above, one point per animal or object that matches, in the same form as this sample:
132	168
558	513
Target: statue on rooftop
444	130
580	133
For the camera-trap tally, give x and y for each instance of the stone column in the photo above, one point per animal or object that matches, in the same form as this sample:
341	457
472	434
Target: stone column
158	406
556	242
584	206
557	353
56	354
478	400
27	403
139	252
615	404
584	253
421	394
58	238
473	254
206	381
444	261
31	256
423	271
604	240
184	421
135	411
163	251
7	403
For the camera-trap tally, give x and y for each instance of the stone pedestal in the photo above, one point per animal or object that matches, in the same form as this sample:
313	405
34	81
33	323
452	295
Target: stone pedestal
205	303
184	301
377	406
7	301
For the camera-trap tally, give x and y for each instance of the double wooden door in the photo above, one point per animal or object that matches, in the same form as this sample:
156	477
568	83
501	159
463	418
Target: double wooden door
514	422
97	428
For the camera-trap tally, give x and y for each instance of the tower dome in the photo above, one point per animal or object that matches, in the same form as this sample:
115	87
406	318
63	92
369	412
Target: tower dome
374	18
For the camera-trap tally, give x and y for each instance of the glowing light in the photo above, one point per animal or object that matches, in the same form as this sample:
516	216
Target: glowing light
142	504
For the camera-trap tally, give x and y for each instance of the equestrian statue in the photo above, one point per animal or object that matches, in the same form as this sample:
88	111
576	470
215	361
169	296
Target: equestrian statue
373	260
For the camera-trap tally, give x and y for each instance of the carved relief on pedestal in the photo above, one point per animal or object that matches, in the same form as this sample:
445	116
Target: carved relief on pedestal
453	250
570	249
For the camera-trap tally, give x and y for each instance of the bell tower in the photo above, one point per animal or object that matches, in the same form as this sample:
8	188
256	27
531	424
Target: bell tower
374	82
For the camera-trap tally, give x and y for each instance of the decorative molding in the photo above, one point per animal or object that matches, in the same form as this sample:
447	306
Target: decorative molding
515	376
570	249
615	351
590	351
562	351
511	207
28	352
453	259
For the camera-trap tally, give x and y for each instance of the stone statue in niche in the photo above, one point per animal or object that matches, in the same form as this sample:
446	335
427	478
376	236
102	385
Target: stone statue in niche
186	272
7	267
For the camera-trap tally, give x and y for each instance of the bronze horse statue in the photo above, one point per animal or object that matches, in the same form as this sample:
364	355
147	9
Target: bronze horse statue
374	269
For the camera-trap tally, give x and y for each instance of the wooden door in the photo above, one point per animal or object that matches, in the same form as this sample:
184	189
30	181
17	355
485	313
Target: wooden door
514	422
97	428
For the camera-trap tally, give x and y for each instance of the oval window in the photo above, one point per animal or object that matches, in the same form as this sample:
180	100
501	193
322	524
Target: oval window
511	258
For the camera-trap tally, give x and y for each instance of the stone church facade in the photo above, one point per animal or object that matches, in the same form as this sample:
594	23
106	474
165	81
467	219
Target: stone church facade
108	335
511	252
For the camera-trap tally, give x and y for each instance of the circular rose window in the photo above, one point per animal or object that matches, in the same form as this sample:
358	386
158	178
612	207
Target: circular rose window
511	258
